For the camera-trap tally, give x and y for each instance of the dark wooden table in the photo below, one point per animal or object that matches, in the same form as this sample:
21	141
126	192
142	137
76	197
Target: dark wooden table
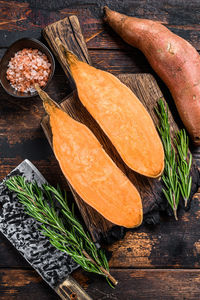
157	262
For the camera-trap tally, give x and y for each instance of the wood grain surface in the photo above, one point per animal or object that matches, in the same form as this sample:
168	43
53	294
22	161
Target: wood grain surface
159	284
168	245
27	18
69	32
147	90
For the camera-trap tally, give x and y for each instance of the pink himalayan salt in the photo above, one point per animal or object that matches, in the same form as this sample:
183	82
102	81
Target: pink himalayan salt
27	67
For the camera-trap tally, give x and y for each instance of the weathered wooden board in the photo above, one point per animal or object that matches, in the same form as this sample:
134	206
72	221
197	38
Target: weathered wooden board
144	86
147	90
69	32
133	284
24	18
170	244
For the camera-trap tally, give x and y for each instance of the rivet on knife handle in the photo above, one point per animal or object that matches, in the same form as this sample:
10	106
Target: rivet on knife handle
71	290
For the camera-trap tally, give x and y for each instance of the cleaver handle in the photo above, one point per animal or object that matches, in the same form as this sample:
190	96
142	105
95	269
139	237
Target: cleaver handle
69	289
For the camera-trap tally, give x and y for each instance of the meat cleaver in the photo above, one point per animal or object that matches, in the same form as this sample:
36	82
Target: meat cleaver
24	233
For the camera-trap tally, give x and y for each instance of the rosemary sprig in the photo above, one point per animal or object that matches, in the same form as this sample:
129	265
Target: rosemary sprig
176	176
64	231
184	164
169	177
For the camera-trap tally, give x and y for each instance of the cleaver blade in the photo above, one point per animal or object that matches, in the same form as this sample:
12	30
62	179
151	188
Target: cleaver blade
24	233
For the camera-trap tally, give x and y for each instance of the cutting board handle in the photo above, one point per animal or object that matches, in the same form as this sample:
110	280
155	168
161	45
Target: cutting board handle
69	32
69	289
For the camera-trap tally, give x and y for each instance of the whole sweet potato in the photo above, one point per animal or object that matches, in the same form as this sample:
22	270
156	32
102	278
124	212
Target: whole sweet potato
174	59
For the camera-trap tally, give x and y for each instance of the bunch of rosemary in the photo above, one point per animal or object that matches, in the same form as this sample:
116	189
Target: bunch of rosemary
63	230
176	175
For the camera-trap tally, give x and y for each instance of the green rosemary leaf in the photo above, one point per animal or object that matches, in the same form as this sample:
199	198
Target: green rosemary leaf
176	176
62	229
189	187
184	164
170	178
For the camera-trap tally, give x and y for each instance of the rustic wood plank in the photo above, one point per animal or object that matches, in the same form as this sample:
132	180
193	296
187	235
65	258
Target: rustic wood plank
133	284
24	284
170	244
146	88
69	32
120	61
28	20
149	284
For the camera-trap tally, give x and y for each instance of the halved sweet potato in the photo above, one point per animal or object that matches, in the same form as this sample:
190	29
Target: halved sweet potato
121	116
90	171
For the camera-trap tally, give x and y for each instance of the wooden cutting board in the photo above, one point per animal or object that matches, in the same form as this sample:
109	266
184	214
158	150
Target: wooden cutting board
146	89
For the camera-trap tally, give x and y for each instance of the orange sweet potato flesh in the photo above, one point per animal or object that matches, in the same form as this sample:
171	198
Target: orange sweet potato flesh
175	60
121	115
90	171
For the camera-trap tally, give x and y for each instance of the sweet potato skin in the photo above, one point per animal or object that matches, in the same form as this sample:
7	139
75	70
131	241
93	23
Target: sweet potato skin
174	59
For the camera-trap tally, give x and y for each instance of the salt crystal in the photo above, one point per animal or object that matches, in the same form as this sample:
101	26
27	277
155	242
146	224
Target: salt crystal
27	67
